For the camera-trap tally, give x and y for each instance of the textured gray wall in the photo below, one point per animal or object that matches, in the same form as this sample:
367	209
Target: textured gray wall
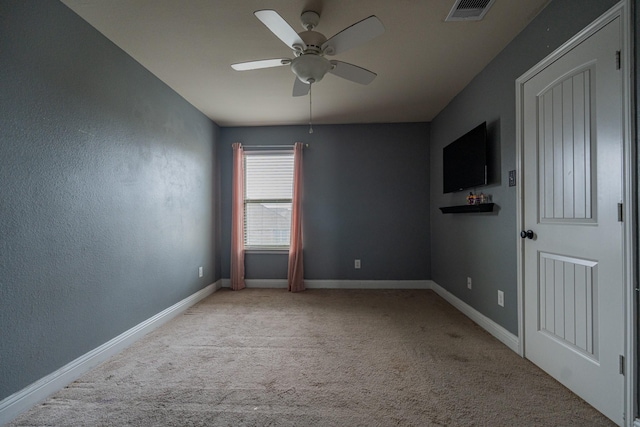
106	189
636	72
483	246
366	197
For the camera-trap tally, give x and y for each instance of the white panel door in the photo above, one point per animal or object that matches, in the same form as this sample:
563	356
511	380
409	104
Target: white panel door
573	261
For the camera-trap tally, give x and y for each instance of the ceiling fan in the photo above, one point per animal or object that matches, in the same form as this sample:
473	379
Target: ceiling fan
310	47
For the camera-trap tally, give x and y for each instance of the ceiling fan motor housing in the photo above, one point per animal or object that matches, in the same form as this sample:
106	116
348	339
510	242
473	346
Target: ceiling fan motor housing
313	40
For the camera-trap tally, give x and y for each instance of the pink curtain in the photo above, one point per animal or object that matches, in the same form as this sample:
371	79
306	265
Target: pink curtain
296	274
237	220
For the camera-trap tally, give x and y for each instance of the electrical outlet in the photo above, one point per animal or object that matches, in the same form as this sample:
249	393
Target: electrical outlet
501	298
469	282
200	272
356	264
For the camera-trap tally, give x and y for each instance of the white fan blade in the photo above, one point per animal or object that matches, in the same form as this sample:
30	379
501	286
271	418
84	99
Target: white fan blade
357	34
264	63
352	72
280	28
300	88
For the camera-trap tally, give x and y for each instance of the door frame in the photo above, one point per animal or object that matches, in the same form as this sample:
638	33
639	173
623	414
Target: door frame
629	187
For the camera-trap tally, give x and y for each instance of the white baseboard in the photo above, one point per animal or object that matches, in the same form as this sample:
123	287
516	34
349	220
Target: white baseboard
366	284
260	283
335	284
35	393
503	335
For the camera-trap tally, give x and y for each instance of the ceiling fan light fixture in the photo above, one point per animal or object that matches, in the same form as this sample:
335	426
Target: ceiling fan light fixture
310	68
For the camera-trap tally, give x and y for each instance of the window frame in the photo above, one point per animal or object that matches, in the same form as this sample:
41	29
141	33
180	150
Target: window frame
247	201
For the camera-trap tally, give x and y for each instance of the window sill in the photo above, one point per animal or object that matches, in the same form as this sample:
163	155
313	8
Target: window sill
274	251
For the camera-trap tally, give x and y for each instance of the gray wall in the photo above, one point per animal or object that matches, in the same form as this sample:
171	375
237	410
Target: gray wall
107	185
483	246
366	196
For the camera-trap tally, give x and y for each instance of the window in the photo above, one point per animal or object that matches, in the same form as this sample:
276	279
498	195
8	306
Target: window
268	188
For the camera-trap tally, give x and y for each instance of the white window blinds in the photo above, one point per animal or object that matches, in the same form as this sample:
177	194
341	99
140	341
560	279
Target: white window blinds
267	199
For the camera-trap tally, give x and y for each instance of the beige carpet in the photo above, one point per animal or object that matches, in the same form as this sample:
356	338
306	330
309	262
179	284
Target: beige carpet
266	357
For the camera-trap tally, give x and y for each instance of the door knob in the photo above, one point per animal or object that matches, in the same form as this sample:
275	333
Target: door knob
526	234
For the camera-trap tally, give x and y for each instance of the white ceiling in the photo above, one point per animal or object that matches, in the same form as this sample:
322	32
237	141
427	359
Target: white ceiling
422	62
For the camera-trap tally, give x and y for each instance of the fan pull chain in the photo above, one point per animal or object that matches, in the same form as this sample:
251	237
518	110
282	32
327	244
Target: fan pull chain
310	125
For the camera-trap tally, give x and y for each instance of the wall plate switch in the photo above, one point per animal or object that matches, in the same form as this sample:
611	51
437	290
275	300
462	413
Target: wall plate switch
357	264
200	272
469	282
501	298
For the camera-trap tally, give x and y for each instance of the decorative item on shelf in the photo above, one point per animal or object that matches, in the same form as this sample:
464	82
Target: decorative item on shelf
478	199
471	198
484	198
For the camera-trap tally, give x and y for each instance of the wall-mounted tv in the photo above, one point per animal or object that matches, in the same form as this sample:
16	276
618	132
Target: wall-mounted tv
465	161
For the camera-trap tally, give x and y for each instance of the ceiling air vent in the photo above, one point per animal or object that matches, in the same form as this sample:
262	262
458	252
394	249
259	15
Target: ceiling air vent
469	10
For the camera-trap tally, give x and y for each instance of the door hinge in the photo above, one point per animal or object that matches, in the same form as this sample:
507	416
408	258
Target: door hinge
620	211
618	60
621	365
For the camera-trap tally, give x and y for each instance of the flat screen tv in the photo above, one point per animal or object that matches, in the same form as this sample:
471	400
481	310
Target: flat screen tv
465	161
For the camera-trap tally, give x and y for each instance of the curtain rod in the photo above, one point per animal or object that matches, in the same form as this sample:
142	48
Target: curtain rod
273	146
